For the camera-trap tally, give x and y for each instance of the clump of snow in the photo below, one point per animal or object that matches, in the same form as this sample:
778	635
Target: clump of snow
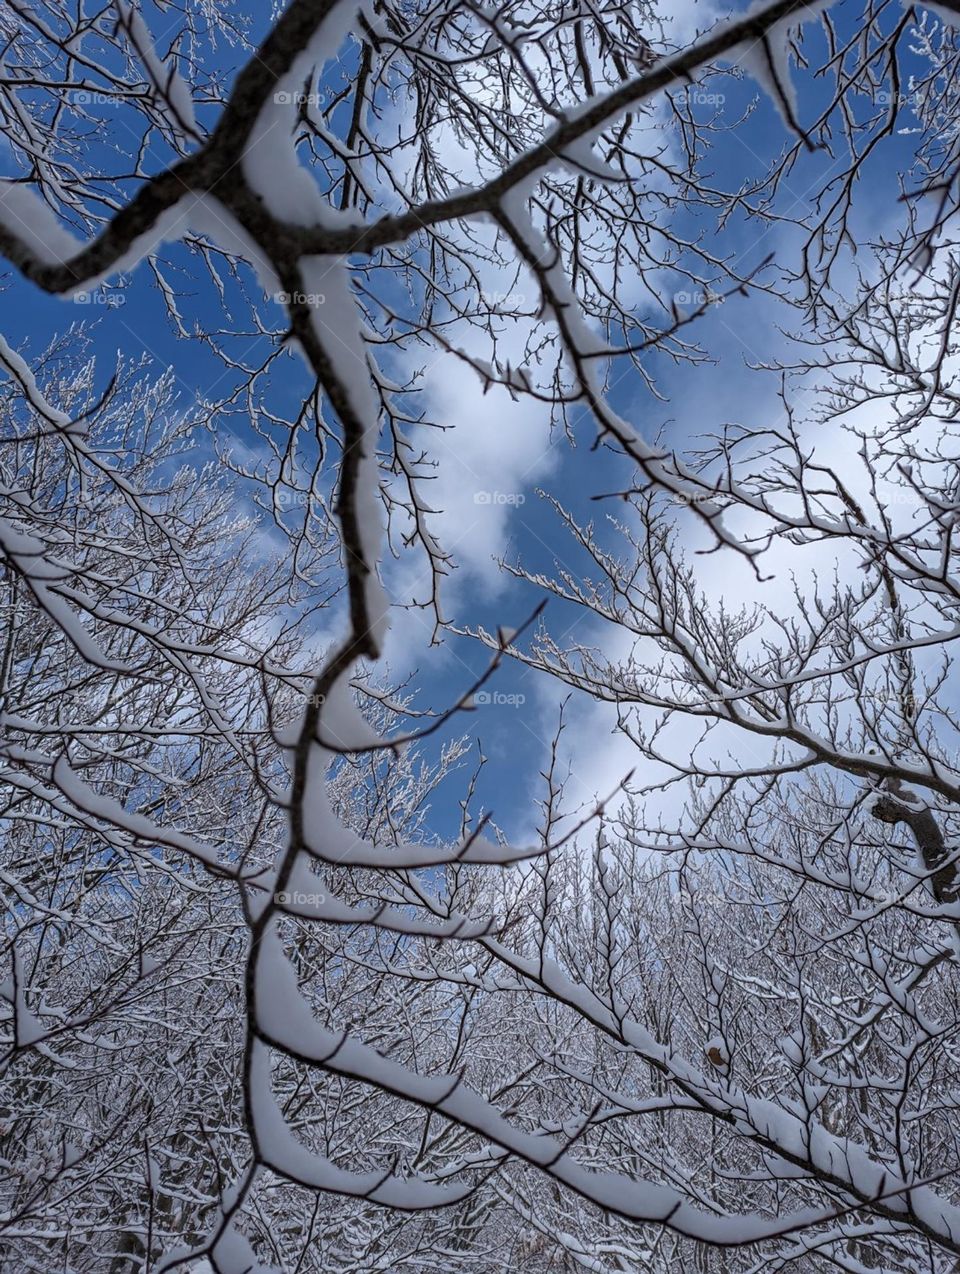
767	61
338	318
162	71
23	374
270	162
24	215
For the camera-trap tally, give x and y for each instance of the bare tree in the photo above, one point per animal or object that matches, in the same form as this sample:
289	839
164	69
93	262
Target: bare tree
243	975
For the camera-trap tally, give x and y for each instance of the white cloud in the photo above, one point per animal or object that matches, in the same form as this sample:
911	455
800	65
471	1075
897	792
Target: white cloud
489	458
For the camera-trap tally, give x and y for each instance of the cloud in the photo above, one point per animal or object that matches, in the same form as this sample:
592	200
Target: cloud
490	456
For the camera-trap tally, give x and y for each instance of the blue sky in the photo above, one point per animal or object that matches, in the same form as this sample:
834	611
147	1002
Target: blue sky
499	453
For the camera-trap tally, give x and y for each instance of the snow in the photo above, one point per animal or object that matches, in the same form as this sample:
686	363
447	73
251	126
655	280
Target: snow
787	1129
163	72
308	896
767	61
330	841
29	1028
337	325
23	373
207	216
28	218
28	557
285	1018
792	1048
949	17
234	1254
169	227
579	157
783	1129
282	1152
587	353
271	166
231	1253
112	812
565	304
270	162
24	214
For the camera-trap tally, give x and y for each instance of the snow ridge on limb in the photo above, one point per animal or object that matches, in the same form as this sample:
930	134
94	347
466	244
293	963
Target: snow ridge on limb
45	256
585	352
285	1021
573	127
281	1152
163	73
767	60
791	1134
268	216
28	558
32	239
112	812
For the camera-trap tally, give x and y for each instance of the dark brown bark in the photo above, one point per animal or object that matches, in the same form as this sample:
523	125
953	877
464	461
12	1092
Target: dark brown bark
938	858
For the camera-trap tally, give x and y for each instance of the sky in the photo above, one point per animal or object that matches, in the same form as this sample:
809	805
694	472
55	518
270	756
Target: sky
495	455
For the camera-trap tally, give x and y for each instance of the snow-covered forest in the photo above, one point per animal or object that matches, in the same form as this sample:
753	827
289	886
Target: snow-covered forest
479	740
